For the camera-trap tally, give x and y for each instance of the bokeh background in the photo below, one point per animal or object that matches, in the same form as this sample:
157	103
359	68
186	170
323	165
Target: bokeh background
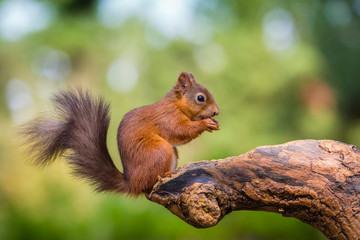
279	70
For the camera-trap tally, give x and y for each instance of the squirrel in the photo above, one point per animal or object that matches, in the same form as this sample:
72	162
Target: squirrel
147	136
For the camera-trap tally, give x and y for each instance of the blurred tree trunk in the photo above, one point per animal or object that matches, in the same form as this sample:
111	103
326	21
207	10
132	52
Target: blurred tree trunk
317	182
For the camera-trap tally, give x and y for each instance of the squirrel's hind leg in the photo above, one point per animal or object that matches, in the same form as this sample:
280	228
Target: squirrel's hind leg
149	170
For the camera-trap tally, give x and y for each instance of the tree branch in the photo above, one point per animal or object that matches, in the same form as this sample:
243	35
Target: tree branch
317	182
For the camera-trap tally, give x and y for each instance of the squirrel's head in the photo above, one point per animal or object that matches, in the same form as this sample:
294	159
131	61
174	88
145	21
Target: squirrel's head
195	100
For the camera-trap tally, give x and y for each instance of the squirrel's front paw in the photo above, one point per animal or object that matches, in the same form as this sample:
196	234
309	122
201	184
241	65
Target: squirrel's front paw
211	124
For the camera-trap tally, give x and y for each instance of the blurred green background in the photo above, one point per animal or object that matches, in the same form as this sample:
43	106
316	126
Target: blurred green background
279	71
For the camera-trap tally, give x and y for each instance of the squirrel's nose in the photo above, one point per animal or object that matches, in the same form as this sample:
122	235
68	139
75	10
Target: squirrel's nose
216	111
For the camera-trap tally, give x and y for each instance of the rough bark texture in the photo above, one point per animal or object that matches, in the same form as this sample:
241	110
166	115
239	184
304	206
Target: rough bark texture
317	182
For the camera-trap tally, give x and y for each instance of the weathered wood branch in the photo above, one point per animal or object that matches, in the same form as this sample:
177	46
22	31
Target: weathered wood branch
317	182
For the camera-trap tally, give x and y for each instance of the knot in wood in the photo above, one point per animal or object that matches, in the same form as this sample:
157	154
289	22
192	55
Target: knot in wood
201	205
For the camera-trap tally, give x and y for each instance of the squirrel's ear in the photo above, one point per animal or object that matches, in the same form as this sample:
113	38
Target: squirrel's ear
185	81
190	76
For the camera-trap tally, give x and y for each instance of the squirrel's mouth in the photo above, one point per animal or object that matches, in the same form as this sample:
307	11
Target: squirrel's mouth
204	117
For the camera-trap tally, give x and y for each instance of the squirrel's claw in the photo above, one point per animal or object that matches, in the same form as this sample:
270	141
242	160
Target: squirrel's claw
168	173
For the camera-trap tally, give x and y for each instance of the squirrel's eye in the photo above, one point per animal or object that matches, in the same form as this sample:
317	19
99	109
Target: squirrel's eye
201	98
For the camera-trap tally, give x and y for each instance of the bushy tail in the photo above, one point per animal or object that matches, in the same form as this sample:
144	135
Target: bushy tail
80	126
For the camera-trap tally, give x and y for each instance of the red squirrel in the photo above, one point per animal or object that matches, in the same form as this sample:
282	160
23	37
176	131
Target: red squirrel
147	136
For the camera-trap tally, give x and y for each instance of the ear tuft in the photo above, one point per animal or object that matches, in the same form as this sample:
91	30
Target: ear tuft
184	83
190	77
185	80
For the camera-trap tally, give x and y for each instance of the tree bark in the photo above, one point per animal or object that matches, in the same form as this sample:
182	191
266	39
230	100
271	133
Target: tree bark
317	182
